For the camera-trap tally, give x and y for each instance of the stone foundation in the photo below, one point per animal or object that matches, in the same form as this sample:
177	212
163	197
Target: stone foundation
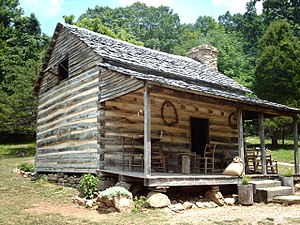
66	180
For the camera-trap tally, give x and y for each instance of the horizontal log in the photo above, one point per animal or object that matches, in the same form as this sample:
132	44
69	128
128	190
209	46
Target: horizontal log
74	137
88	114
60	150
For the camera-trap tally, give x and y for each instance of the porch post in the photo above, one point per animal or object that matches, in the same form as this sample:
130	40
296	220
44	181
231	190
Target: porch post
241	136
295	131
147	132
262	143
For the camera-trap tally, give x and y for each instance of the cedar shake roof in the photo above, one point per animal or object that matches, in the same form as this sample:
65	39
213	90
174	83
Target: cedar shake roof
162	68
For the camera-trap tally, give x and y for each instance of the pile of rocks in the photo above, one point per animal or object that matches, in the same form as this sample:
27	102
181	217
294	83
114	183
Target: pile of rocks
66	180
118	203
202	203
23	173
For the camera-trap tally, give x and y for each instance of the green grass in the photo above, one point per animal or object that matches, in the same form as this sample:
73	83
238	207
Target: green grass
281	154
12	150
18	194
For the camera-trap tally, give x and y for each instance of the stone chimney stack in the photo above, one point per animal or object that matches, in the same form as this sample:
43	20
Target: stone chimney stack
206	54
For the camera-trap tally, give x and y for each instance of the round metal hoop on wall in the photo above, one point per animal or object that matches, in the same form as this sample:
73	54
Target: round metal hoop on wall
168	120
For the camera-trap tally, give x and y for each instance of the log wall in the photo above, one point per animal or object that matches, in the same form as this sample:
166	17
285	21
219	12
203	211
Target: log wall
124	117
67	120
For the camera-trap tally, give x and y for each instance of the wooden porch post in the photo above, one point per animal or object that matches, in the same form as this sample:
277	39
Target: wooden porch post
147	132
262	143
241	136
295	131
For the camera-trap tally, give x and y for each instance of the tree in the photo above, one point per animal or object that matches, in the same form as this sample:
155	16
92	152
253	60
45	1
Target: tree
231	58
204	24
97	26
20	57
157	27
282	9
278	65
249	26
277	73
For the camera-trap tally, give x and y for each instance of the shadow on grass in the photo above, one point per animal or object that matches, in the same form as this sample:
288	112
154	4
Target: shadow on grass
275	148
22	150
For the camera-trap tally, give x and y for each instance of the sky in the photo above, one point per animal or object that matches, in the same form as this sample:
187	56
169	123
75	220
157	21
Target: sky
50	12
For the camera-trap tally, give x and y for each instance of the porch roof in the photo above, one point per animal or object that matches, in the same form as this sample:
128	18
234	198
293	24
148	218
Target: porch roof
202	90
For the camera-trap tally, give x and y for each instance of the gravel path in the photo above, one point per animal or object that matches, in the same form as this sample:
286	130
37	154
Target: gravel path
259	213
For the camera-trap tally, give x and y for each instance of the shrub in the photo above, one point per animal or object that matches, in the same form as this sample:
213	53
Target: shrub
26	167
88	186
288	173
139	203
246	180
112	192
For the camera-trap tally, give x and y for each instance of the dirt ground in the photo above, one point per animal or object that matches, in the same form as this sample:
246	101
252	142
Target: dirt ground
259	213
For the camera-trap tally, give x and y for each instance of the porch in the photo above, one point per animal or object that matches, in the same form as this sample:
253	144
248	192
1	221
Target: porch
167	129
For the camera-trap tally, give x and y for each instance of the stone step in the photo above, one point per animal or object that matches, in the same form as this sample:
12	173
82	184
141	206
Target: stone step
265	184
288	200
267	194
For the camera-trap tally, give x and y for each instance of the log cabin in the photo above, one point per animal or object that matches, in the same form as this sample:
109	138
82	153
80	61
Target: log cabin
109	107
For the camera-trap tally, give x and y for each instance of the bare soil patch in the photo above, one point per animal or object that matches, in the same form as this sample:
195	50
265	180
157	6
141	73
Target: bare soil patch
259	213
68	210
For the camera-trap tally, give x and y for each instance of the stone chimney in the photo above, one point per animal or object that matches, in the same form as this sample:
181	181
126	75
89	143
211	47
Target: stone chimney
206	54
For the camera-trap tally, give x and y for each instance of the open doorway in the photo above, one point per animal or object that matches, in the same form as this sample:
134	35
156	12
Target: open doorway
199	135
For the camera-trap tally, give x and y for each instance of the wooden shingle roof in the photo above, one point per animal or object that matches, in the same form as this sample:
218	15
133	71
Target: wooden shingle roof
163	68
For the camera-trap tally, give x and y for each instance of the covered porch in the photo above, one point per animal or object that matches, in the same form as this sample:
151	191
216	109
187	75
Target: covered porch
178	167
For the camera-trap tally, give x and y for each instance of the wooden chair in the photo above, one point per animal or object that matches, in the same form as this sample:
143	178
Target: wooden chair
271	165
158	157
132	158
252	157
207	162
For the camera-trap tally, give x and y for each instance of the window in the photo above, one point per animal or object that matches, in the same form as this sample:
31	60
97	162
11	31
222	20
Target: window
63	69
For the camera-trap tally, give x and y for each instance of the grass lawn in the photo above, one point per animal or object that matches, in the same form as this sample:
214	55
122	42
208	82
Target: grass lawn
19	197
284	154
26	202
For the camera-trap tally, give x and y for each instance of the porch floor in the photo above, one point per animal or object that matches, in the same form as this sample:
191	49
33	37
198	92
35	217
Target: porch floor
160	179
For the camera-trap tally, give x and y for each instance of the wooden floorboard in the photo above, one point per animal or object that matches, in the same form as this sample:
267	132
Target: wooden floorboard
157	179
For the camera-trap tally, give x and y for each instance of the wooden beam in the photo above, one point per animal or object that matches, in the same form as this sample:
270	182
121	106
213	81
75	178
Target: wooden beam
295	131
241	136
262	142
147	132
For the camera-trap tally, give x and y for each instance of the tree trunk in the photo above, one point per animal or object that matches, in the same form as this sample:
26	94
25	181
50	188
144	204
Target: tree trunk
245	194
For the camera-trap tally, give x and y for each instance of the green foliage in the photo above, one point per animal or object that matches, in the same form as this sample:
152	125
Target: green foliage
112	192
139	203
157	27
282	9
246	180
21	47
42	180
88	186
278	66
288	173
26	167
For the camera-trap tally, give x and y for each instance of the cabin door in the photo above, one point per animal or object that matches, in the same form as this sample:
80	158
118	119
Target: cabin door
199	135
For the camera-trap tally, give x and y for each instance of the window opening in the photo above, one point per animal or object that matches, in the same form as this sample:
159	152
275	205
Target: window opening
63	69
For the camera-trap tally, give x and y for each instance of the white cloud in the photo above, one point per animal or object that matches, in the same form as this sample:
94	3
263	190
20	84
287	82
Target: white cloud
43	8
236	6
154	3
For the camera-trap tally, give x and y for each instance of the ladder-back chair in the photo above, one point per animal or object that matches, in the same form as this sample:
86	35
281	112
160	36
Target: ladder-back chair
207	162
